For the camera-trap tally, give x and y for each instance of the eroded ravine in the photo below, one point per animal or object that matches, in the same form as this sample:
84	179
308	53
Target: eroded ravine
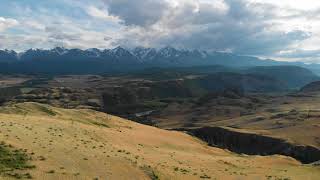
254	144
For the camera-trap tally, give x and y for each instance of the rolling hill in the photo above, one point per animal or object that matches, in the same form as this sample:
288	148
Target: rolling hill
293	76
311	87
85	144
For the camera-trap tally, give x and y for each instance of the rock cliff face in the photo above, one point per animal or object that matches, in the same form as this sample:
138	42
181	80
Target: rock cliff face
253	144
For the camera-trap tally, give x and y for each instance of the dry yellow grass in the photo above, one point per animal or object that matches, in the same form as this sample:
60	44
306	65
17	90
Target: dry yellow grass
85	144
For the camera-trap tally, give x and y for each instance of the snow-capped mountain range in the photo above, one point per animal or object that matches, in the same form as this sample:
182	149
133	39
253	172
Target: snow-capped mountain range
139	53
118	59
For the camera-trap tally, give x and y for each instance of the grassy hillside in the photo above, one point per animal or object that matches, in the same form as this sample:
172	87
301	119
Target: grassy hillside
311	87
85	144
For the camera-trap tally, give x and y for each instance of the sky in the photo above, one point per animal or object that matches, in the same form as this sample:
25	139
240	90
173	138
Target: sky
278	29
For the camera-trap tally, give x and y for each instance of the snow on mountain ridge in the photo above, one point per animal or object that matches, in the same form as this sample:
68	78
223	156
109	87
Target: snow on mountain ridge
139	52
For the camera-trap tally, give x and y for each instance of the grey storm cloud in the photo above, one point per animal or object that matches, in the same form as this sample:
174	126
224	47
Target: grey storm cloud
236	25
137	12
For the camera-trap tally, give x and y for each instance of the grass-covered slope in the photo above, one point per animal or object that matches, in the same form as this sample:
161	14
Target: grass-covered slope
85	144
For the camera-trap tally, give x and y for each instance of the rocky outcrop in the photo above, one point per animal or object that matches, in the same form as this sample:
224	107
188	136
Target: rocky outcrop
254	144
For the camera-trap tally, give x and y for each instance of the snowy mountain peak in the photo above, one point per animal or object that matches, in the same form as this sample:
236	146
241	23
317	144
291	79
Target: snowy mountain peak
144	53
119	49
168	52
60	50
93	52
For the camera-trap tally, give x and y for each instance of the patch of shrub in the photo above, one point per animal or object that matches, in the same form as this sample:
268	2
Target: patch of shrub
12	160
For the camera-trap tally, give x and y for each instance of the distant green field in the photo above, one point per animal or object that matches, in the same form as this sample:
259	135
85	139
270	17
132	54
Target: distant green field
25	90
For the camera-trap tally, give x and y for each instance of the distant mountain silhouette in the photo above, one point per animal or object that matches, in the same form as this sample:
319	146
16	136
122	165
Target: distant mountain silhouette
241	83
292	76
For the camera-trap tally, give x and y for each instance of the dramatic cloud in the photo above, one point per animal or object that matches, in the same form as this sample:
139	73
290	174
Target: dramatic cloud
286	30
231	25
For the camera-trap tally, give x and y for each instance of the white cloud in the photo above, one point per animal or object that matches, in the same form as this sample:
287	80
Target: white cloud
6	23
34	25
100	14
296	4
